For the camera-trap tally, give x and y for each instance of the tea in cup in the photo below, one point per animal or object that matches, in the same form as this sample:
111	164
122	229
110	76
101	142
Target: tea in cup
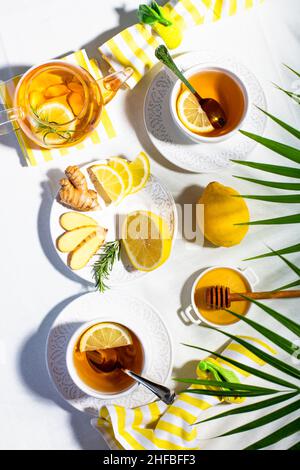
210	82
96	366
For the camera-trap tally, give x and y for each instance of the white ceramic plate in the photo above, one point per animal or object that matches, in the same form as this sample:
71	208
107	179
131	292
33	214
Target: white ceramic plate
154	196
174	145
133	312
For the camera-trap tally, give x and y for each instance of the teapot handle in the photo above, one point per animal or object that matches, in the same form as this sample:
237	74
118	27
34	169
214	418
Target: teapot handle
8	117
110	84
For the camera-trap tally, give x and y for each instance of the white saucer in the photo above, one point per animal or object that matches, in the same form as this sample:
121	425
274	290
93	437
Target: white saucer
120	309
154	197
177	148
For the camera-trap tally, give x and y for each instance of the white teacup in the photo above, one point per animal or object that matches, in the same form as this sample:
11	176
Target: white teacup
135	328
174	95
192	312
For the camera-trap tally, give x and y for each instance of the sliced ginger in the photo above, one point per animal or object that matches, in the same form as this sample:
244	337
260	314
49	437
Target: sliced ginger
75	193
82	254
68	241
71	220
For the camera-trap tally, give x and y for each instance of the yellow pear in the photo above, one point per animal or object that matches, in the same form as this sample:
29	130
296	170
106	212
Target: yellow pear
222	210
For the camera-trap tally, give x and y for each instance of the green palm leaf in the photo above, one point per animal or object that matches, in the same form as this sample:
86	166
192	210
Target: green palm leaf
273	361
288	219
289	263
253	407
249	369
225	393
287	322
283	124
292	153
275	169
276	436
283	251
288	286
230	385
283	343
295	446
285	199
272	184
291	94
292	70
280	413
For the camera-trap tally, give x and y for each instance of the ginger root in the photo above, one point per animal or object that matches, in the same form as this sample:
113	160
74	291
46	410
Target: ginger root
74	191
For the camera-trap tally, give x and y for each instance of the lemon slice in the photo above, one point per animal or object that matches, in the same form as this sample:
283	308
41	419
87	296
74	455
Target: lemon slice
140	170
146	239
192	115
108	183
104	336
121	166
54	113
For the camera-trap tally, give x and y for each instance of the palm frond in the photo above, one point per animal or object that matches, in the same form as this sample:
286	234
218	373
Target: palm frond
269	418
284	199
292	153
251	370
272	184
282	251
280	341
266	357
289	263
292	70
288	219
291	94
287	322
276	436
283	124
288	286
259	405
230	385
225	393
275	169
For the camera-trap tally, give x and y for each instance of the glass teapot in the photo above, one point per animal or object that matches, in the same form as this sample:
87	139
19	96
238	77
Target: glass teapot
58	104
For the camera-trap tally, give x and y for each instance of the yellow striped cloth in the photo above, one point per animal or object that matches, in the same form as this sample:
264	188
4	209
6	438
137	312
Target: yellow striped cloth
135	46
161	427
34	155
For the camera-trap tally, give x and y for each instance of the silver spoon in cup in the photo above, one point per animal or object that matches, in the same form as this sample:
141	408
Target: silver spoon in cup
107	361
210	106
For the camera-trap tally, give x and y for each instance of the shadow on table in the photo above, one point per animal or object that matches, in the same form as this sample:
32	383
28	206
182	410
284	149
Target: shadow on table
33	371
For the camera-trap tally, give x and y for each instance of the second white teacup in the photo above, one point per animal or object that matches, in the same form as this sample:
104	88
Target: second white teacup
201	68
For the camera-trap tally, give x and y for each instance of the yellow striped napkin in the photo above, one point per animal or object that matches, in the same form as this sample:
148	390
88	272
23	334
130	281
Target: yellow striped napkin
135	46
157	426
34	155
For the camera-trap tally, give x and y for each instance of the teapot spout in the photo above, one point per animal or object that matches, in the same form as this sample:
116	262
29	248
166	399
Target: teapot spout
110	84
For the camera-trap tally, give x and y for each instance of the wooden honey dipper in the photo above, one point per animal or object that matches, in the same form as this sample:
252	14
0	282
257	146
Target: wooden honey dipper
218	297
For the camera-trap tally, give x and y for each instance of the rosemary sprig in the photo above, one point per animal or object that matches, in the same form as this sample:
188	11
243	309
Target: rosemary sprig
103	265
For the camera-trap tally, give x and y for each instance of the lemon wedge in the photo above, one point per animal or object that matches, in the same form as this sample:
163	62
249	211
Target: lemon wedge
108	183
121	166
140	170
192	115
146	239
104	336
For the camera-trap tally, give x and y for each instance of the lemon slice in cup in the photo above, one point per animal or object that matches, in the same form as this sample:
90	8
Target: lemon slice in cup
57	124
146	239
192	115
104	336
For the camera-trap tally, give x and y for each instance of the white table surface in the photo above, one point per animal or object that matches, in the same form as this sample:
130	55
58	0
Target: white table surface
35	286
